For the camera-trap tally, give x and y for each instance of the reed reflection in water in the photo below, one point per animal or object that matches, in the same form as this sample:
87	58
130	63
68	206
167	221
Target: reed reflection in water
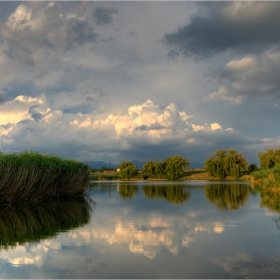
30	222
227	196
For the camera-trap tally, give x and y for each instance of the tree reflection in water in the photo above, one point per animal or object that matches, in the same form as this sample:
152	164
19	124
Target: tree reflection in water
174	194
26	222
270	198
127	191
227	197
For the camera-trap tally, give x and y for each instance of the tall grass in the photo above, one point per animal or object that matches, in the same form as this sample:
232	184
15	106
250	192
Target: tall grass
104	176
268	178
31	175
30	222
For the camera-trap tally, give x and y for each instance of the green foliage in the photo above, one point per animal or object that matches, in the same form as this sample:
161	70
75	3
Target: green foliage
31	175
127	170
149	168
31	222
260	174
268	177
174	167
269	159
127	191
104	176
226	163
171	169
227	197
154	169
173	194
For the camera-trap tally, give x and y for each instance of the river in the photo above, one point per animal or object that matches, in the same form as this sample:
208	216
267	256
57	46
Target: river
184	229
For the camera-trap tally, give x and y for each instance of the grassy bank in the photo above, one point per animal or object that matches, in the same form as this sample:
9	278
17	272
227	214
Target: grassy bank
202	175
33	176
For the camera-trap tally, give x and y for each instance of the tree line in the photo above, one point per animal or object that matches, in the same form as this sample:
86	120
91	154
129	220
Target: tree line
171	168
220	165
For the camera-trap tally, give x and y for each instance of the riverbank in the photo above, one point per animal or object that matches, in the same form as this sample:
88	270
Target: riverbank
188	175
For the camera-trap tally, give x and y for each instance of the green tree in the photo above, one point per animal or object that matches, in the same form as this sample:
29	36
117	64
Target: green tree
226	163
269	159
127	170
253	167
149	168
159	168
152	168
174	167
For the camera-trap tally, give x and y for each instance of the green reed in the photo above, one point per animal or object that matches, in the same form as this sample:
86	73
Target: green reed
31	175
268	178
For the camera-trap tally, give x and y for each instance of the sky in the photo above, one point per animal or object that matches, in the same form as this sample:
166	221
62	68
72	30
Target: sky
116	81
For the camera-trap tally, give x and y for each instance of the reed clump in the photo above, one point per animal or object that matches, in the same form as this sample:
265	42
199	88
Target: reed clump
32	176
269	178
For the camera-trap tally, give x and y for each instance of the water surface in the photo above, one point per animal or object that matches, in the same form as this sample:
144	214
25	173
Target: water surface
190	229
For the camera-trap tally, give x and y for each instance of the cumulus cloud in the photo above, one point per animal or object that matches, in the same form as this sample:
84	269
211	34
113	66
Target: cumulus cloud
250	77
140	131
27	29
103	15
249	27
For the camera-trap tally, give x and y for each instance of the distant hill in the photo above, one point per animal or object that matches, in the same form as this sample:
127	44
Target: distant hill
139	164
100	164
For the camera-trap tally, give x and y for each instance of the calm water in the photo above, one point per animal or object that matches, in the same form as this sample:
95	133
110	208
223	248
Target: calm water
194	229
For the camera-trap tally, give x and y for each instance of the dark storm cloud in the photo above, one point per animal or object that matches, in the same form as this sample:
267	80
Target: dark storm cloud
83	108
28	30
34	114
194	152
20	87
78	32
249	27
249	78
3	99
151	127
103	15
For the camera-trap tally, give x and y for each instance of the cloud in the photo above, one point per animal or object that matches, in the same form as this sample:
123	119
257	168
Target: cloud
250	77
248	27
28	29
103	15
142	131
